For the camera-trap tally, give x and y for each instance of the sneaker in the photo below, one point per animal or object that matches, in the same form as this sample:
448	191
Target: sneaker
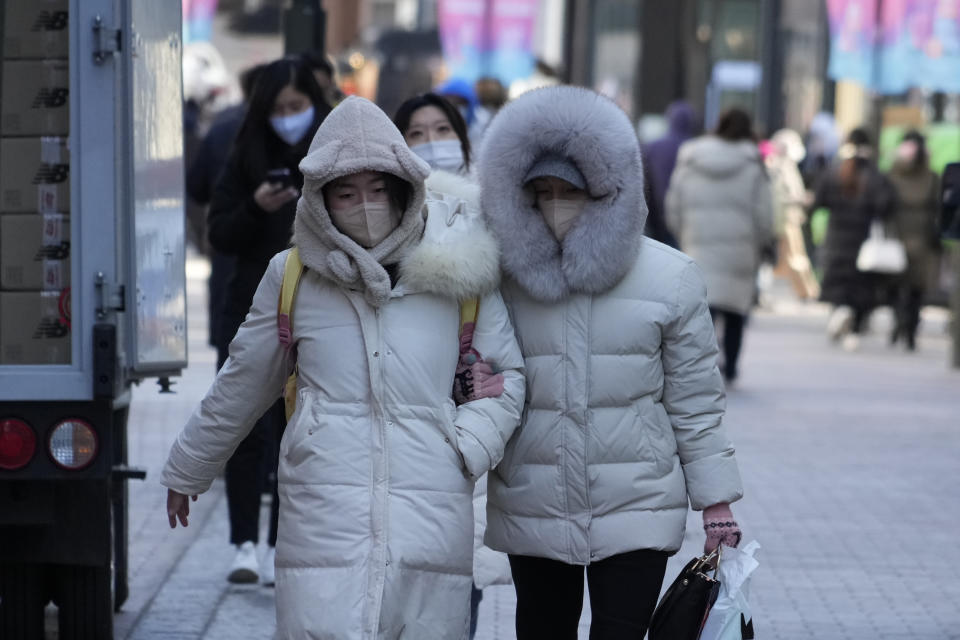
851	342
267	573
840	322
244	567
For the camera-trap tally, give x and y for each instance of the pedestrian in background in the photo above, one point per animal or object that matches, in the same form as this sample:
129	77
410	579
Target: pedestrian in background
790	200
435	131
202	177
251	218
624	418
720	207
378	465
659	160
856	194
915	222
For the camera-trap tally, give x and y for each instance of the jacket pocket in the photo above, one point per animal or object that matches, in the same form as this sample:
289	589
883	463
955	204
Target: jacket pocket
662	441
448	416
301	424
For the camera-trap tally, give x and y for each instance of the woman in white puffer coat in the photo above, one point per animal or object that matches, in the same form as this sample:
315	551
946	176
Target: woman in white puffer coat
377	465
623	426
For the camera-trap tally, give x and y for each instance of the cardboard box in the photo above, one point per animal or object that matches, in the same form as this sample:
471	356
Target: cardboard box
35	29
35	175
35	327
36	98
34	251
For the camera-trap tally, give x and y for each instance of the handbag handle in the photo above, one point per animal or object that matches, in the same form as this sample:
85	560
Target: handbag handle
704	561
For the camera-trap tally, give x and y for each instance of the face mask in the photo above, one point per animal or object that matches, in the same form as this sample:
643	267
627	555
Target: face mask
561	214
367	223
446	155
291	129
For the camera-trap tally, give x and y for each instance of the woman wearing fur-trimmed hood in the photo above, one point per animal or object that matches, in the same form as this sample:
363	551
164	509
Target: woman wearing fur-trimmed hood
377	465
623	423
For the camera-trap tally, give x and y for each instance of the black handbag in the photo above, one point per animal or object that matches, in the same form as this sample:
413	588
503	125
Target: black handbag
683	609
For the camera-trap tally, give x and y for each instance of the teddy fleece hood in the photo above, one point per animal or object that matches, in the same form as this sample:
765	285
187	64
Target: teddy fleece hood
357	136
594	134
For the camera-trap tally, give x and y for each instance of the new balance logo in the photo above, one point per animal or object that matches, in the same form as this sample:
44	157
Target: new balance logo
51	174
53	251
51	328
50	98
50	21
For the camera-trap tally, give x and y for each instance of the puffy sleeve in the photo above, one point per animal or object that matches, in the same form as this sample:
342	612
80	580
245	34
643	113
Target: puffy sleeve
484	426
249	382
694	398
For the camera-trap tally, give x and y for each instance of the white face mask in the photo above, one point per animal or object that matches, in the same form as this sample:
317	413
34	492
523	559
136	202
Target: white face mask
291	129
560	215
367	223
446	155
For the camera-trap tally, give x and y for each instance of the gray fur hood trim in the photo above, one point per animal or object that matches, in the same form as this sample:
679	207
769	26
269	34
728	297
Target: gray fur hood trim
357	136
597	136
458	257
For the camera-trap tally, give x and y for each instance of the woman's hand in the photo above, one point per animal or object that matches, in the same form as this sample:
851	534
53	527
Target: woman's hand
720	527
270	196
178	507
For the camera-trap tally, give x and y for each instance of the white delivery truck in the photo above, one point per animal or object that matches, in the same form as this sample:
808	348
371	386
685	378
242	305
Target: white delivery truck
92	290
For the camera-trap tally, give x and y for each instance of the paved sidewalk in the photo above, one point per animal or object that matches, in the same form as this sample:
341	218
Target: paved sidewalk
851	465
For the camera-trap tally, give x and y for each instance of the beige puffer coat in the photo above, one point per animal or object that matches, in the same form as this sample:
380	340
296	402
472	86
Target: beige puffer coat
624	416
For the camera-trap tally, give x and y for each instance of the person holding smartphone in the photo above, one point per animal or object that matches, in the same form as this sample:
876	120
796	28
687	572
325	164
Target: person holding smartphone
251	217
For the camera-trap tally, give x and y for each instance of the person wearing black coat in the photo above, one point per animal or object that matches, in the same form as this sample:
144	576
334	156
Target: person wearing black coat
251	218
202	176
856	194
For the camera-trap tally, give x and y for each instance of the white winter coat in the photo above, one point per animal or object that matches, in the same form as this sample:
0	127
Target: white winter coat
720	207
377	465
623	421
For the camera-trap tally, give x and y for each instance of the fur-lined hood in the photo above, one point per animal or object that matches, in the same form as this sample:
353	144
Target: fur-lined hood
357	136
598	138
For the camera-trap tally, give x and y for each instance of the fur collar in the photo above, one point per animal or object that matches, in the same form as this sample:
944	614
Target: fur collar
458	257
597	136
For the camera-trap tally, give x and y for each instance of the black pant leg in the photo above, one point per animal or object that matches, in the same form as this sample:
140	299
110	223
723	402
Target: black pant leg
623	593
734	324
549	598
244	479
279	426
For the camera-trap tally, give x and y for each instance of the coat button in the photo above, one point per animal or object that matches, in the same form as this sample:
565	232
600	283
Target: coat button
376	354
446	440
389	424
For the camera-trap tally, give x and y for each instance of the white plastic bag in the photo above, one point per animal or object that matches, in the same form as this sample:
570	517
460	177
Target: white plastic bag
736	566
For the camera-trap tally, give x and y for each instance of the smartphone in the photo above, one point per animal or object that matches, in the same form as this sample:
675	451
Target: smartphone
281	177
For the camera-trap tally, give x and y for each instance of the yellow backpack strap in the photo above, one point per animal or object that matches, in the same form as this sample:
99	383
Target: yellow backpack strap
469	309
468	312
292	271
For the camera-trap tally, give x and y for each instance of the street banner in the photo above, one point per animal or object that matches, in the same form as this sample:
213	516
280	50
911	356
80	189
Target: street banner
198	20
920	46
910	44
487	38
853	30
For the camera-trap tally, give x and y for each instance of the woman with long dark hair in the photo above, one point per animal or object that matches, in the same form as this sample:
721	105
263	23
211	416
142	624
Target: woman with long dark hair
251	217
856	194
434	129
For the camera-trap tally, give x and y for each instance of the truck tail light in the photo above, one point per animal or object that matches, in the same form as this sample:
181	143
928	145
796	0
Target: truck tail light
17	443
73	444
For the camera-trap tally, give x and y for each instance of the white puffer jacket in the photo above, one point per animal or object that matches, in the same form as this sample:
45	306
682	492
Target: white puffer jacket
623	422
720	208
377	465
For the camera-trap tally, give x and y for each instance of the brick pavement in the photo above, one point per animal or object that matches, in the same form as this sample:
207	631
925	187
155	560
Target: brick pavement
851	463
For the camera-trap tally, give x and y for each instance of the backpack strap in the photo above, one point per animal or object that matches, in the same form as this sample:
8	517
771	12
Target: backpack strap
292	271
